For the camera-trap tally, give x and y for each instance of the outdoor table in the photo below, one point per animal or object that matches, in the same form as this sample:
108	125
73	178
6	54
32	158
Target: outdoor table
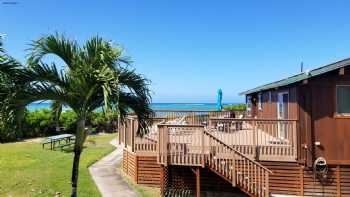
52	140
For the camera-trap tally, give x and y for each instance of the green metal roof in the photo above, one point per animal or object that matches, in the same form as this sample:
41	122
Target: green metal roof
299	77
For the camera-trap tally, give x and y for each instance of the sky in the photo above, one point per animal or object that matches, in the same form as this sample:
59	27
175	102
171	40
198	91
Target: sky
190	49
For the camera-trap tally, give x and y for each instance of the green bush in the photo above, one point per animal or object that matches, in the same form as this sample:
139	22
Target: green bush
38	123
7	134
41	122
68	120
101	123
235	107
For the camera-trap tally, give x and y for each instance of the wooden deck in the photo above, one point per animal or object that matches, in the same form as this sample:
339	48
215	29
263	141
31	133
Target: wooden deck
261	140
230	147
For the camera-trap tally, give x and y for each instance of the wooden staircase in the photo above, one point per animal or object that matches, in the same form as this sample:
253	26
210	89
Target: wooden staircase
195	146
244	173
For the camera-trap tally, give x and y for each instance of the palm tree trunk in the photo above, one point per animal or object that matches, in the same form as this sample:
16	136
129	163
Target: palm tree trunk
78	148
75	172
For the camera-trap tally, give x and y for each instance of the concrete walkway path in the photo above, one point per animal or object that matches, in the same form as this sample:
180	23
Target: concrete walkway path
108	180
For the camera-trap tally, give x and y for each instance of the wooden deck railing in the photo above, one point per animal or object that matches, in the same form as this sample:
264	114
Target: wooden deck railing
193	117
261	139
148	143
181	144
192	145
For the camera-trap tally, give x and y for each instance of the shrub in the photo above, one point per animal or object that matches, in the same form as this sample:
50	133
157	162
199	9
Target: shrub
41	122
7	134
101	123
38	123
235	107
67	121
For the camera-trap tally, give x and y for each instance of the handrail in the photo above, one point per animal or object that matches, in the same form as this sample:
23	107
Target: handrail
237	152
180	125
164	110
250	176
194	145
253	119
263	139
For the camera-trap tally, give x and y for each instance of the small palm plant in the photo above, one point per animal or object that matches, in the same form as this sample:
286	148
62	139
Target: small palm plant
94	76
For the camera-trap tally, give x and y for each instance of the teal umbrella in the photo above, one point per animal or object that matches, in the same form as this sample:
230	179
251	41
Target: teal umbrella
219	100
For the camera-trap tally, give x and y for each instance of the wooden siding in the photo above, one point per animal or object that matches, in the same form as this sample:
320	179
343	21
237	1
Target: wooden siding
129	164
285	177
143	170
288	178
269	107
313	103
292	179
148	172
305	137
328	129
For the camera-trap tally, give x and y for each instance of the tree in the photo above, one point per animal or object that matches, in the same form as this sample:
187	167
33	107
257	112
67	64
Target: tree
1	49
95	75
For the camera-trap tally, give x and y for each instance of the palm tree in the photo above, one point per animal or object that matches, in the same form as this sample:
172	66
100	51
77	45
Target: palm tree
95	75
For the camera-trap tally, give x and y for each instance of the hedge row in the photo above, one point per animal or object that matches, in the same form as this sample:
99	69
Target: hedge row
41	123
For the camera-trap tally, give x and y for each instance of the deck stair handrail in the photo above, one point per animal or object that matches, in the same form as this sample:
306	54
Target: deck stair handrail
243	172
193	145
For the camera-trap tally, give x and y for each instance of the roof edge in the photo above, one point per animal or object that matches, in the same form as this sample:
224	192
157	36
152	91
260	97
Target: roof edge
299	77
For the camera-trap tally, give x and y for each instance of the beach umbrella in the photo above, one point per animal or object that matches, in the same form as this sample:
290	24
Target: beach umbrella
219	100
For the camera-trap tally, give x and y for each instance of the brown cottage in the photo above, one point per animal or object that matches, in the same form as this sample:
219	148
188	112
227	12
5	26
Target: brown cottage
292	140
320	101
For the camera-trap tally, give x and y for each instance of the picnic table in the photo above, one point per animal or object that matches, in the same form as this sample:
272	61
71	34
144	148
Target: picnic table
58	139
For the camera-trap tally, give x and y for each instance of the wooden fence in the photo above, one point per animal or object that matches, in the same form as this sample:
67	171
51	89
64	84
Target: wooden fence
261	139
147	144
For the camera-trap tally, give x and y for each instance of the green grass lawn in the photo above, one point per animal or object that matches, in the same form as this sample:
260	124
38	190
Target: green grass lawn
28	170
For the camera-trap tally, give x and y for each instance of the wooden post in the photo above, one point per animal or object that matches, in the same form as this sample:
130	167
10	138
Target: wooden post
165	144
234	172
136	169
124	128
162	181
202	149
338	181
132	135
254	140
119	131
295	140
301	181
267	189
159	144
198	182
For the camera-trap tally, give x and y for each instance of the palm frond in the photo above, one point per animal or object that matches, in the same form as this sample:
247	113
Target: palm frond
57	45
1	48
136	83
140	106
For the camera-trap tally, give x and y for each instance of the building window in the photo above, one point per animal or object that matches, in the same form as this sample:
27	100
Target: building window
270	96
343	99
260	101
249	105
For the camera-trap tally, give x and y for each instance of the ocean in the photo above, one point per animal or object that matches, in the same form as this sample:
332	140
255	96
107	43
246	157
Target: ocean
155	106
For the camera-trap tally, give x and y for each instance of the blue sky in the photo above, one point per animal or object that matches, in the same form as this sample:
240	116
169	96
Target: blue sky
189	49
